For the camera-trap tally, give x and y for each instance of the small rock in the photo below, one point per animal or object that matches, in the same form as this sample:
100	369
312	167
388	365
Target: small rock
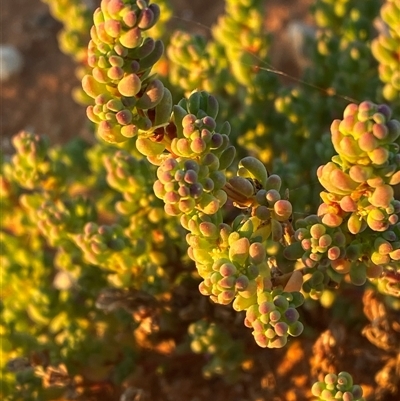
11	61
299	35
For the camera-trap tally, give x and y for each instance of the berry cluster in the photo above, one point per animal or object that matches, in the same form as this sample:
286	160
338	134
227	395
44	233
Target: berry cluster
193	61
386	49
194	176
274	317
356	232
125	173
234	272
120	82
241	32
337	387
98	243
322	250
185	185
57	219
31	165
233	261
359	179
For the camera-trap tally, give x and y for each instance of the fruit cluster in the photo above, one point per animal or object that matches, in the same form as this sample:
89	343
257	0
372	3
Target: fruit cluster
274	317
194	176
337	387
192	61
386	49
32	166
121	59
359	179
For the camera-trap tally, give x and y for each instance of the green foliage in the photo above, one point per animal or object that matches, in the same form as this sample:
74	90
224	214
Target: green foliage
179	194
212	340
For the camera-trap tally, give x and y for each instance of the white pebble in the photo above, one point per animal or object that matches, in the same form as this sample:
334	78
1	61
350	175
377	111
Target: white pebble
10	61
299	34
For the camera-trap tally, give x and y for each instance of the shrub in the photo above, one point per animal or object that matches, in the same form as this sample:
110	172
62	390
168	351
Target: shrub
105	244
